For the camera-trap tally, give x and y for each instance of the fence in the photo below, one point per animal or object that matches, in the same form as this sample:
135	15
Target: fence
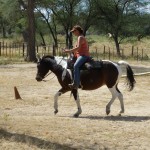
129	52
102	52
12	49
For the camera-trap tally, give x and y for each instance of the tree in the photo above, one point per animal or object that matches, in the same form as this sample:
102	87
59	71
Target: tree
50	21
116	17
8	10
31	31
86	14
65	12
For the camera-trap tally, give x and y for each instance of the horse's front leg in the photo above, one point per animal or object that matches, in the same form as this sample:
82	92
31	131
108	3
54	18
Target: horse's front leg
76	97
56	101
59	93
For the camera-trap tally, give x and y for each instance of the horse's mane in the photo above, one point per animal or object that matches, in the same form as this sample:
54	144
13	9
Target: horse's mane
59	60
48	56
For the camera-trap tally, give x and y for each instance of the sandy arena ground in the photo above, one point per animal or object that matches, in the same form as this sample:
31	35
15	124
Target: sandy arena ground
30	124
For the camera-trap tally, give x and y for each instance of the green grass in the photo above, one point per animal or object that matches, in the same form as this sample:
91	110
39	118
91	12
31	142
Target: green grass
14	60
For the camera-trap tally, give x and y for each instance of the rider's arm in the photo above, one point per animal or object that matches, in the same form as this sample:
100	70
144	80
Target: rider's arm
79	43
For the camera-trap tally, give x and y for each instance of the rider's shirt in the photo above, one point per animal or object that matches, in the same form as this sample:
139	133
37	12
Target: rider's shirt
83	50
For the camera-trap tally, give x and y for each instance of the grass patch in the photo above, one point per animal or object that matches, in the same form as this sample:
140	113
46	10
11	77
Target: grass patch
13	60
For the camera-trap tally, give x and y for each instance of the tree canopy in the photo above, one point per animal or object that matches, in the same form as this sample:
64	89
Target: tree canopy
120	18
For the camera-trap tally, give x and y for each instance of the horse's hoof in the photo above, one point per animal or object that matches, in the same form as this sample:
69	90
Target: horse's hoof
107	112
56	111
76	115
119	114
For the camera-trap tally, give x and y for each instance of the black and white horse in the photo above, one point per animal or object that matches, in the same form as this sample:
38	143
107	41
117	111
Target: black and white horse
109	75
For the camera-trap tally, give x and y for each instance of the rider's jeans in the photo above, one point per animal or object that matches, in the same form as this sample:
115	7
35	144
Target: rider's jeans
79	62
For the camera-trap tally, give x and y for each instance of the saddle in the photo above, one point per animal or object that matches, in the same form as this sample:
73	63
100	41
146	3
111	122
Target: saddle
88	65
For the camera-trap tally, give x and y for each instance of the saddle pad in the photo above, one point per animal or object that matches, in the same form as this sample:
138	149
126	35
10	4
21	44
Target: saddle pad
93	64
88	65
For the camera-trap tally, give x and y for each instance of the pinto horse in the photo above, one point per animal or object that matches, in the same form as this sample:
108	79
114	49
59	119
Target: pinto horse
109	75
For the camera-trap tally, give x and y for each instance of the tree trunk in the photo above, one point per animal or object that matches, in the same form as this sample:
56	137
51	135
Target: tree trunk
52	33
67	39
4	32
43	40
117	45
70	41
31	56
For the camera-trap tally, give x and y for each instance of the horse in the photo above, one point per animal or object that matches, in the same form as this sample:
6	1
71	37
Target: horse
108	74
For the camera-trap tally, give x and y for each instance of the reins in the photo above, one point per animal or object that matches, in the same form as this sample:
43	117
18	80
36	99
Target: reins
50	73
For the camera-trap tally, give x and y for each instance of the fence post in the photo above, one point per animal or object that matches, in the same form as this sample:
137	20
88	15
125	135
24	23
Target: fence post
6	50
96	53
137	53
109	53
23	49
0	48
10	50
54	50
104	51
132	51
37	49
142	54
122	52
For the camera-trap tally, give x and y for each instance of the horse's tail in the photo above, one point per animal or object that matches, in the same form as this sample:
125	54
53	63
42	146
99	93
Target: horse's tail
130	75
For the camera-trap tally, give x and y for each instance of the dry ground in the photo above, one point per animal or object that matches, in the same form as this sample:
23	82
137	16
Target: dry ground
30	124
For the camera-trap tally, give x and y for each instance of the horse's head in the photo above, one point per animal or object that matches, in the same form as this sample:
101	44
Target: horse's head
44	64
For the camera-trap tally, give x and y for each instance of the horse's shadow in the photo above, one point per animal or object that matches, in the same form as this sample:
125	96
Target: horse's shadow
118	118
30	140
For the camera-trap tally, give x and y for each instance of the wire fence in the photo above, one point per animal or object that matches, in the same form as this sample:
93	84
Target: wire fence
103	52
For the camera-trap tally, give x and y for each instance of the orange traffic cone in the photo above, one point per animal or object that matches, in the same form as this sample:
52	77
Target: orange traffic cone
17	95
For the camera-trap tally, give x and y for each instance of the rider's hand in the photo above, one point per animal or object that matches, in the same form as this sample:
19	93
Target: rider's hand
65	50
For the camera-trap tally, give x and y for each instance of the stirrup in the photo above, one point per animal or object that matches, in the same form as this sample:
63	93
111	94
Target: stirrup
73	86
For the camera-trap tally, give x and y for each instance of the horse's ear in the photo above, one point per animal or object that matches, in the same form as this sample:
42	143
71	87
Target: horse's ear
38	57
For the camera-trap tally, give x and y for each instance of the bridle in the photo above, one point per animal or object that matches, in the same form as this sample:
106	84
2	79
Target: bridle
50	73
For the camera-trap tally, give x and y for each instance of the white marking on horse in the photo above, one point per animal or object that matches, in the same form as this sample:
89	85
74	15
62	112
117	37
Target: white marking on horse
70	73
56	100
78	106
61	61
118	68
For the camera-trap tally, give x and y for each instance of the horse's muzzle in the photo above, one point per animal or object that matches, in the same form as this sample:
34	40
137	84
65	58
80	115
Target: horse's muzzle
38	78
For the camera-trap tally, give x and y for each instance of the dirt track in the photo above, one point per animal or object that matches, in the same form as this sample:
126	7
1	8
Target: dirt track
31	124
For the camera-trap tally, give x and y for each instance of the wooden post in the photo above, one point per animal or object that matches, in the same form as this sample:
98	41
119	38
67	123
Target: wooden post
23	49
19	48
6	50
96	53
132	53
37	49
54	50
142	54
137	53
109	53
10	50
122	52
0	48
104	51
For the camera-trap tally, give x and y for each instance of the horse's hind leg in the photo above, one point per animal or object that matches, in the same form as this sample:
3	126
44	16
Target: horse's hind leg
115	93
120	97
76	97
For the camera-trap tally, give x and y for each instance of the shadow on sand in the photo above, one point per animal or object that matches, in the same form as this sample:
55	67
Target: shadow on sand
30	140
118	118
